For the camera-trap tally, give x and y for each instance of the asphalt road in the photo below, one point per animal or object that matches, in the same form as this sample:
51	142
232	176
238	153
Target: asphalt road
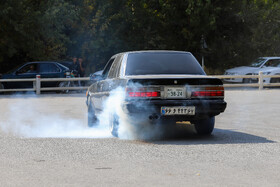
44	141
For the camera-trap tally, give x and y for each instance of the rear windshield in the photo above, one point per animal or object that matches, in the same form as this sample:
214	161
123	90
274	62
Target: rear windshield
162	63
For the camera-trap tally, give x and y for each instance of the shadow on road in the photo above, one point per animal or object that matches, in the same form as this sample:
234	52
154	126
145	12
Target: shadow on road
219	136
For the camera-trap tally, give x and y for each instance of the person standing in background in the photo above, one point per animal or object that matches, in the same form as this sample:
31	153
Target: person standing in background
81	69
74	65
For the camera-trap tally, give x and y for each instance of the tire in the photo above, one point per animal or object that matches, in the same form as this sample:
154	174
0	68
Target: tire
114	125
274	80
92	119
1	86
62	85
247	80
204	126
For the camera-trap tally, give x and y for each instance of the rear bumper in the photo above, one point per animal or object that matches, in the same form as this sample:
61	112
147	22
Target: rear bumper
203	108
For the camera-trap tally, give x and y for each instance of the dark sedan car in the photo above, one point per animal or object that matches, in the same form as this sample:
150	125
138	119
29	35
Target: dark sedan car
47	69
159	86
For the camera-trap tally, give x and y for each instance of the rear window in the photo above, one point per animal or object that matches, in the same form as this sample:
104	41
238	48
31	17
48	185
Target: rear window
162	63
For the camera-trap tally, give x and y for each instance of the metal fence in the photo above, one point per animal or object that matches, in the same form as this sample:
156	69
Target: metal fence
37	82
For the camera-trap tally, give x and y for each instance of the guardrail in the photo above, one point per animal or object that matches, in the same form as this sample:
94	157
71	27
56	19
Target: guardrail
260	83
37	82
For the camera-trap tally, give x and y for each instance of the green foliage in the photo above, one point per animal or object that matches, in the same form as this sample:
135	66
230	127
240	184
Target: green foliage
236	32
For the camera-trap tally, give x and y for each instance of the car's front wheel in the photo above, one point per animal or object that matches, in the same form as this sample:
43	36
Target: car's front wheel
204	126
92	119
114	125
247	80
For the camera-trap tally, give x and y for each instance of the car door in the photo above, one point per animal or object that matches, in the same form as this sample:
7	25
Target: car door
49	70
98	92
111	82
27	71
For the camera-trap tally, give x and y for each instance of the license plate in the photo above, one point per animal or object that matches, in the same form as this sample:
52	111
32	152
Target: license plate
178	110
175	92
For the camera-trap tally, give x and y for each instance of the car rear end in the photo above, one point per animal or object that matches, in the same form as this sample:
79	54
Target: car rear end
170	85
180	98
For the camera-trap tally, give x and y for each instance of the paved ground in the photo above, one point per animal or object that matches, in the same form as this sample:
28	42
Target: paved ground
44	142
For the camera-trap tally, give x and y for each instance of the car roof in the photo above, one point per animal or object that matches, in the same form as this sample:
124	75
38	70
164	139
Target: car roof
269	58
152	51
51	62
39	62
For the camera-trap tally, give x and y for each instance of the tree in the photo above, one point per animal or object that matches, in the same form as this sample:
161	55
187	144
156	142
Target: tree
33	30
236	31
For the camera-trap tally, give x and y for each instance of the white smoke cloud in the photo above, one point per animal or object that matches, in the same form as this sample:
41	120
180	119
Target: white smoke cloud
25	119
136	126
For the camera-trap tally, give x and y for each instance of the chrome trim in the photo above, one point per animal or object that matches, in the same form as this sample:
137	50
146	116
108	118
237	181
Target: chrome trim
123	65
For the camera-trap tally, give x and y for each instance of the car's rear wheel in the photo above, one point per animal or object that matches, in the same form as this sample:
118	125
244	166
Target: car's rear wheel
92	119
114	125
1	86
204	126
275	80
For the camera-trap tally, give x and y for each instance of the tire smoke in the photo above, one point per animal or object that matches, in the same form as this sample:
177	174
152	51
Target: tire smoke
132	127
27	117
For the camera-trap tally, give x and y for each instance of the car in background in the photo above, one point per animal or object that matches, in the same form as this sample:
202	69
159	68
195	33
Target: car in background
256	66
269	71
67	64
159	86
47	69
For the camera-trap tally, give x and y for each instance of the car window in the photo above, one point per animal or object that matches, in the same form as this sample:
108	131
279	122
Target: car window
29	68
258	62
273	63
66	64
162	63
114	70
49	68
107	68
63	67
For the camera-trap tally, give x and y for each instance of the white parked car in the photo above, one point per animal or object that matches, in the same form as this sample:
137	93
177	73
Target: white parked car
260	64
269	71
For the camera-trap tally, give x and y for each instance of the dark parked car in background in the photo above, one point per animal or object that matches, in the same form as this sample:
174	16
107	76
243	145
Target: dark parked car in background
67	64
159	86
47	69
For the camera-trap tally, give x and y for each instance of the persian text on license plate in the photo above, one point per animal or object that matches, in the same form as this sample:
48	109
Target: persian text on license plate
178	110
175	92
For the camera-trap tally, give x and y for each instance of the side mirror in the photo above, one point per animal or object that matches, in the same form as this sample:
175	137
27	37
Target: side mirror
95	78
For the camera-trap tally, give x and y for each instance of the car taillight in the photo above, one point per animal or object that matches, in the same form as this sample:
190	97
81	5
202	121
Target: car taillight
143	92
209	92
